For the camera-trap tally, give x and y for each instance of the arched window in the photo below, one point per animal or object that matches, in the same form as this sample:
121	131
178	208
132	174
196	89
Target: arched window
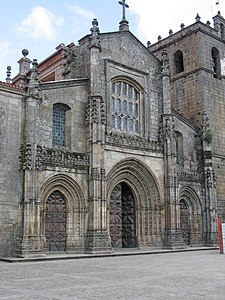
179	62
179	148
59	124
125	106
216	63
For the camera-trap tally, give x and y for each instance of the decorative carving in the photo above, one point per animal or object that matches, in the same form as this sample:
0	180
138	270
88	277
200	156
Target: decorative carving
206	130
165	64
102	112
26	157
34	89
51	157
210	178
187	175
169	127
69	62
95	35
103	174
87	115
132	141
95	174
95	111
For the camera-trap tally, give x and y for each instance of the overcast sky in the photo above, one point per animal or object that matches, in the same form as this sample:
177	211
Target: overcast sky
41	25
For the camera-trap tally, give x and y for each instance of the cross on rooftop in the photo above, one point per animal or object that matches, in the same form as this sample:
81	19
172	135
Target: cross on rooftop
123	3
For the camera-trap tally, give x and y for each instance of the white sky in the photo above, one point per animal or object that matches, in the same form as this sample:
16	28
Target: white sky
41	25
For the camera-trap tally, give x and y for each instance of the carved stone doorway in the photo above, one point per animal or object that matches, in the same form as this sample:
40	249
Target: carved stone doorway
122	217
55	222
185	222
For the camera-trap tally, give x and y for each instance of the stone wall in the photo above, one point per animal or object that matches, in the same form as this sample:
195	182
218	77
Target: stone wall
11	107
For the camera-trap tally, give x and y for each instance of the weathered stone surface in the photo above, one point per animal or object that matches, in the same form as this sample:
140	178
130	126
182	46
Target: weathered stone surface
110	112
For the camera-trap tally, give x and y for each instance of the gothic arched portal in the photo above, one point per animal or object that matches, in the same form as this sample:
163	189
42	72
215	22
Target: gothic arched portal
191	217
122	217
63	214
55	222
135	208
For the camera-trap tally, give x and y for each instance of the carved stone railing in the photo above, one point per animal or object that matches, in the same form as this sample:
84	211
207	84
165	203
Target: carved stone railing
42	157
133	141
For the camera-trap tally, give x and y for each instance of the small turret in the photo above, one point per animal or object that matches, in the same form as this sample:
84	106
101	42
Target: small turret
219	25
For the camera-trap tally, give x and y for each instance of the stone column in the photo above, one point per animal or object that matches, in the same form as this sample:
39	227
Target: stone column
211	217
97	238
31	240
173	237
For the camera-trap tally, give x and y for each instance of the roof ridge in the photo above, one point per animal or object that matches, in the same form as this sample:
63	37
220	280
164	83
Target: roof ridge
11	85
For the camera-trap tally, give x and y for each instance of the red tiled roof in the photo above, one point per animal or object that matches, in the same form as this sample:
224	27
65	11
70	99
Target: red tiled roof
11	85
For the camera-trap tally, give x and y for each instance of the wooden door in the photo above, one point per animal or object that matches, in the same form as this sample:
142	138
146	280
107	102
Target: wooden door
55	222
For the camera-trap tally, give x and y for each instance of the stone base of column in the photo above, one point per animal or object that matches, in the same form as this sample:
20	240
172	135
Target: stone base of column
29	247
75	245
173	240
97	241
212	239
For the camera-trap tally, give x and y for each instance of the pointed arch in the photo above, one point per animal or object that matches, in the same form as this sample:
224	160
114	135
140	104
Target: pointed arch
126	97
191	197
139	177
191	213
149	208
76	210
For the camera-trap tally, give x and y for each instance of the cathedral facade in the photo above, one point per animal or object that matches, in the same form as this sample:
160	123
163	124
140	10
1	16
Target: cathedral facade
109	144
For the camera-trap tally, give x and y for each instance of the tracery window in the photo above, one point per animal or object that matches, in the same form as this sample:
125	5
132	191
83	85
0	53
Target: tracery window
59	124
125	106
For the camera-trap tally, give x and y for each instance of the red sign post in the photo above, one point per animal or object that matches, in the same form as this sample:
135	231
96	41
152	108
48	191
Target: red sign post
220	235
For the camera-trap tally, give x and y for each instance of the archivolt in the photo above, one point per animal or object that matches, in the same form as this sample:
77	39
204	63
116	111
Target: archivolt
192	199
140	180
67	186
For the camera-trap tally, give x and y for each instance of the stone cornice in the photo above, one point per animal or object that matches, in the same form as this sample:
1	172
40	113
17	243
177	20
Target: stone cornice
64	83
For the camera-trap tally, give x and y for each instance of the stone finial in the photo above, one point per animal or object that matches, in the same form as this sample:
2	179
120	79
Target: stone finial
208	23
182	26
8	73
95	35
170	32
159	38
95	29
34	79
25	52
34	90
148	44
24	63
198	18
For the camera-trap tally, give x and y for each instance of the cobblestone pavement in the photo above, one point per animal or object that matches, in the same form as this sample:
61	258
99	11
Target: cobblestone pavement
189	275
